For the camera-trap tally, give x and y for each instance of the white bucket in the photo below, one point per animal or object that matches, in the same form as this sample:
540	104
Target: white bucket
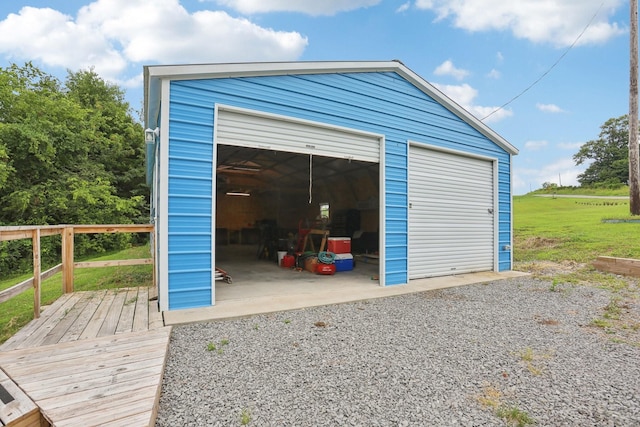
281	255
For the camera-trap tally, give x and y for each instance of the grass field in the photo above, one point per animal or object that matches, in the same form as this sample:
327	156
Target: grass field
568	229
18	311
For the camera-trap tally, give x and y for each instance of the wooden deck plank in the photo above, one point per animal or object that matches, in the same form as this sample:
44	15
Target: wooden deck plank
40	333
125	322
75	331
30	327
141	315
40	368
141	419
113	315
132	404
94	396
120	379
119	385
85	381
64	348
92	329
70	316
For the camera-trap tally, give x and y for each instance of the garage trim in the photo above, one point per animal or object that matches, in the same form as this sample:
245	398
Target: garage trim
301	137
494	194
162	222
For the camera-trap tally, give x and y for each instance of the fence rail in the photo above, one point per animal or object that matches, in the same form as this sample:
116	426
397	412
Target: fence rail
67	266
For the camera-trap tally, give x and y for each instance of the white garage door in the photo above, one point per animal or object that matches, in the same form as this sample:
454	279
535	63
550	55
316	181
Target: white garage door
451	213
254	129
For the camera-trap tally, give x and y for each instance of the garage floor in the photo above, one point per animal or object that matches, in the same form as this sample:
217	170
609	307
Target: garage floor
261	286
258	278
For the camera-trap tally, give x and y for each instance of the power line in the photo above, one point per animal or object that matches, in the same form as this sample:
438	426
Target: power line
550	68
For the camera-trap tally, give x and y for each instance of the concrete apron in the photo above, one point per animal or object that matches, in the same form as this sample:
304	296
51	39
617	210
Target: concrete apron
240	300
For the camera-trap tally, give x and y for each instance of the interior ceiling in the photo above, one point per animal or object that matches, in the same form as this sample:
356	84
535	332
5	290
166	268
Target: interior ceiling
254	170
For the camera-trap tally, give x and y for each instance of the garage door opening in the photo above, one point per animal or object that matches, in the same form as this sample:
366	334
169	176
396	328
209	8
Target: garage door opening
267	202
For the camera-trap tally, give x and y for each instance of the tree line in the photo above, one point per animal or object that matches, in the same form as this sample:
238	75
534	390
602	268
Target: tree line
71	152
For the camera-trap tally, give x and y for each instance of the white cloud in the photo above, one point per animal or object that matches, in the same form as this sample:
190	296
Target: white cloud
562	171
549	108
313	7
110	34
499	57
494	74
465	95
448	69
554	22
404	7
535	145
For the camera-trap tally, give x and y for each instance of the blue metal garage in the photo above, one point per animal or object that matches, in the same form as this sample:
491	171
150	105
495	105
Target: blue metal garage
429	184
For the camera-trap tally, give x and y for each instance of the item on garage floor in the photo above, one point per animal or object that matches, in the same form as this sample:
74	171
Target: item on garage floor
326	257
281	255
310	263
223	275
339	245
288	261
344	262
327	269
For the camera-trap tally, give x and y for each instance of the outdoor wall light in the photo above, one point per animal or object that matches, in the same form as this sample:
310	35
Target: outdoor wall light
150	135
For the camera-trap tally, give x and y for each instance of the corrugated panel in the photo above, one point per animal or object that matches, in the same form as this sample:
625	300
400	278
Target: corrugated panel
189	219
451	219
244	129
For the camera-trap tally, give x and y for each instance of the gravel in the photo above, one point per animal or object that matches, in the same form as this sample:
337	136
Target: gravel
454	357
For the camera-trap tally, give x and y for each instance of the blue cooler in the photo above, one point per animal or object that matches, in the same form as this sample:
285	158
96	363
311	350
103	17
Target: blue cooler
344	262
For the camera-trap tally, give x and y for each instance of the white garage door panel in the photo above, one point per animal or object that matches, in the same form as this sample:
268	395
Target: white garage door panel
256	130
451	224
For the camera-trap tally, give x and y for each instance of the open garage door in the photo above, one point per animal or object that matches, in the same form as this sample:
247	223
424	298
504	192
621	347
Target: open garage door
253	129
274	175
451	213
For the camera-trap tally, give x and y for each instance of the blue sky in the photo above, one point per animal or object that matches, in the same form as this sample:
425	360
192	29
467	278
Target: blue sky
481	53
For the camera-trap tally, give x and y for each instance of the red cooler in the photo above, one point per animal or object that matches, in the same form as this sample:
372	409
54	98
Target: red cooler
339	245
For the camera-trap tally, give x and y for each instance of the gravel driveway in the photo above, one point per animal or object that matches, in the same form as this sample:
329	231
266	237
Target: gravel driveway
468	356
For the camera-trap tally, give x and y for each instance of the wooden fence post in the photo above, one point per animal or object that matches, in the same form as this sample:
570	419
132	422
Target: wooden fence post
67	260
37	267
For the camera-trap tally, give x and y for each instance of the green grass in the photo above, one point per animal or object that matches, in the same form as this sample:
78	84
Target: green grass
18	311
568	229
514	416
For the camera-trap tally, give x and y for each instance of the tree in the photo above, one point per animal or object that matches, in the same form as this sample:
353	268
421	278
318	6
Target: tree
115	136
609	154
69	154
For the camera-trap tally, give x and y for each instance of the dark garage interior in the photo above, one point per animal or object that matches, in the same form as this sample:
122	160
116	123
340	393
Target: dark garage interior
276	211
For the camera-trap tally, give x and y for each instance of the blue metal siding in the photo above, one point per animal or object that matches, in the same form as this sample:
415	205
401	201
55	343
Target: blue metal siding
189	203
382	103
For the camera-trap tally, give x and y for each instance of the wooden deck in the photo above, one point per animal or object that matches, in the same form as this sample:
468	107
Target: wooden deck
92	359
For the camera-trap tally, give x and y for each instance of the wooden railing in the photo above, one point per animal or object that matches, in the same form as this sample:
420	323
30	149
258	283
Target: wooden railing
67	265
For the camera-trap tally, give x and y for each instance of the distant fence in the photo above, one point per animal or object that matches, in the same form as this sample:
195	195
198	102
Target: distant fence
67	265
